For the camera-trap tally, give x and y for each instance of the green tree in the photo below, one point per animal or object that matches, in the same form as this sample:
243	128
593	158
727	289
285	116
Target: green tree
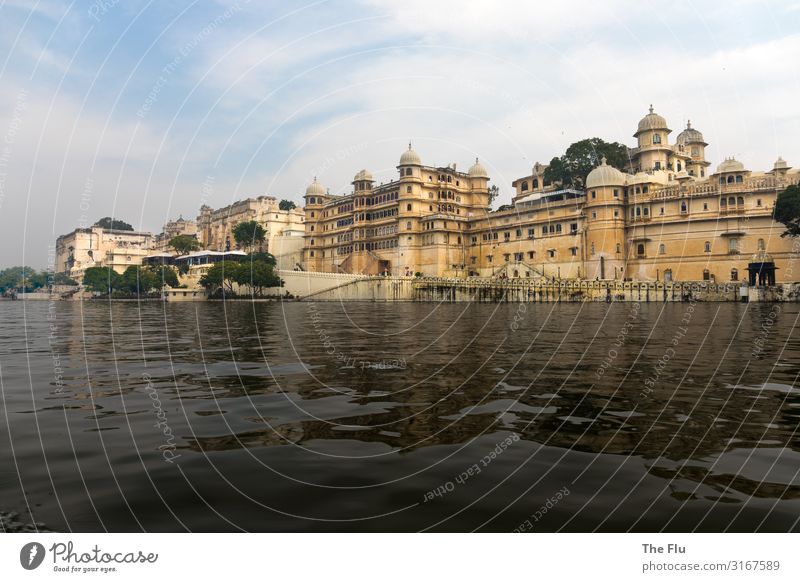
787	210
138	281
101	279
62	279
220	275
249	234
184	244
287	205
166	275
494	192
571	169
257	275
113	224
265	257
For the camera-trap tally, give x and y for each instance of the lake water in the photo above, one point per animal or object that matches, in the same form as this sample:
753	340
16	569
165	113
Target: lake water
400	417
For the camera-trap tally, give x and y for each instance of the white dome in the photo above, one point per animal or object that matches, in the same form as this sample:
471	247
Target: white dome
780	164
690	135
410	157
605	175
315	189
730	165
363	175
477	170
651	121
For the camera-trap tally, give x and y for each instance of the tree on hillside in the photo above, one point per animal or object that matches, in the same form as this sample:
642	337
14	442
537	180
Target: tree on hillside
287	205
249	234
184	244
571	169
787	210
112	224
101	279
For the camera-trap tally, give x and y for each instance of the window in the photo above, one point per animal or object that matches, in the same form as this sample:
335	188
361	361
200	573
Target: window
761	245
619	248
730	179
723	203
738	179
706	275
573	227
707	247
734	274
506	257
574	251
518	257
531	254
646	211
408	207
695	152
661	211
408	225
705	205
594	194
594	214
311	253
656	138
733	246
662	249
524	187
616	193
640	249
408	189
758	202
591	250
658	166
489	258
683	207
740	202
535	182
552	253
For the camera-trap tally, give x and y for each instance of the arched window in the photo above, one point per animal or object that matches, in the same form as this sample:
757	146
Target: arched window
730	179
668	276
723	203
524	187
408	207
707	247
706	275
734	274
552	228
638	211
535	183
662	250
640	249
731	201
678	167
722	179
740	201
408	189
683	206
646	211
739	179
761	245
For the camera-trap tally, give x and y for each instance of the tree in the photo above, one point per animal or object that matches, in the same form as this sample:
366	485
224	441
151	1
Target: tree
787	210
101	279
249	234
257	275
265	257
287	205
494	192
184	244
112	224
166	275
220	275
571	169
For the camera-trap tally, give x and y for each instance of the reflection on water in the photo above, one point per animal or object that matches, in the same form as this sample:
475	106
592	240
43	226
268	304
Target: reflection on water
330	417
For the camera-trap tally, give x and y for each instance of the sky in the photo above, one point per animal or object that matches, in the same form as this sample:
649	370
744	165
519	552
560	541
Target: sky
145	110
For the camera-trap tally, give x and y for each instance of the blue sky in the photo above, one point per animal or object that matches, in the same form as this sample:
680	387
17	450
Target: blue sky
146	109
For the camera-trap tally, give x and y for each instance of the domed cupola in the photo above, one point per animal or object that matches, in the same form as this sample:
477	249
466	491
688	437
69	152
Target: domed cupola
730	165
650	122
690	136
477	170
363	176
410	157
315	189
605	175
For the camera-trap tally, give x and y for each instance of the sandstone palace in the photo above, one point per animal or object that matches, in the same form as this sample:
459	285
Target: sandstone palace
668	217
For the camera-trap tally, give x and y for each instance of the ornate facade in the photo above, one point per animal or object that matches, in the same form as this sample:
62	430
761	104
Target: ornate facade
100	247
666	217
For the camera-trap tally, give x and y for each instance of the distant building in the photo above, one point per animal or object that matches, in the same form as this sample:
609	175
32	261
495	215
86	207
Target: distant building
215	227
666	217
100	247
171	229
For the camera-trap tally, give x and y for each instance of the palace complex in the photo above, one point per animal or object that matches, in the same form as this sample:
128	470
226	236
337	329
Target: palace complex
667	217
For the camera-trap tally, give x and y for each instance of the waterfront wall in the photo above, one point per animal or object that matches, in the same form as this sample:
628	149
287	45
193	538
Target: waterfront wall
533	291
305	283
